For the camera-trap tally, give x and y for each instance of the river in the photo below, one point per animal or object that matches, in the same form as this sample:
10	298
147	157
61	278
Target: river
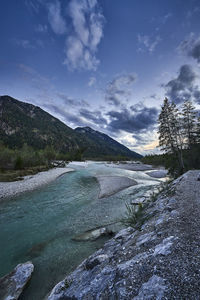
39	225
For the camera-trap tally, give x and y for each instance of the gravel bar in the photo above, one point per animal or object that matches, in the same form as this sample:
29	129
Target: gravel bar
30	182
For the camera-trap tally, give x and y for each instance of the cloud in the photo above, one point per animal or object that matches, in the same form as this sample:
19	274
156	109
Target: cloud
33	78
192	12
118	90
65	115
72	102
195	50
24	43
94	116
41	28
33	6
183	87
137	119
148	43
191	47
91	81
55	18
166	17
82	44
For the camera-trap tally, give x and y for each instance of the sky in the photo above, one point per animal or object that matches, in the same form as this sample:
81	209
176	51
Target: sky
107	64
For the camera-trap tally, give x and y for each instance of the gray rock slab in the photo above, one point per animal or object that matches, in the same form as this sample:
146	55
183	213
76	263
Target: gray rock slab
110	185
154	288
12	284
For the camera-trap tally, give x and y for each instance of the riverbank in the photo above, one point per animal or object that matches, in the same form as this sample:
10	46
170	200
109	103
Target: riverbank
30	182
159	261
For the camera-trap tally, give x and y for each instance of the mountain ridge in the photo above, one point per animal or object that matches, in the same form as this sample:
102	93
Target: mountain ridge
22	122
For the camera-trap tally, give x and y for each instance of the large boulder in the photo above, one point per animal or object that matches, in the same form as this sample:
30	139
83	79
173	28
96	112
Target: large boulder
12	284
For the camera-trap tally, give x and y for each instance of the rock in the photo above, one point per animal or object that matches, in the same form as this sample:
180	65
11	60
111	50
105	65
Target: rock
13	283
93	234
124	233
147	237
154	288
198	177
160	261
164	247
110	185
91	263
138	201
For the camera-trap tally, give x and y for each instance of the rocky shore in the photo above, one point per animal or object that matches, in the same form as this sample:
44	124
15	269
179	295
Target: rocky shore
8	189
159	260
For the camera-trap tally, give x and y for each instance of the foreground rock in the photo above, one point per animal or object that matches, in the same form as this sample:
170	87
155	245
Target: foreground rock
110	185
92	235
160	261
12	285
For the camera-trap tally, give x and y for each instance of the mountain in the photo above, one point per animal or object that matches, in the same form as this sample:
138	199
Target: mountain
104	145
22	122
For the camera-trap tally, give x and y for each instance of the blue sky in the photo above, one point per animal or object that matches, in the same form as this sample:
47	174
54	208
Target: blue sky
107	64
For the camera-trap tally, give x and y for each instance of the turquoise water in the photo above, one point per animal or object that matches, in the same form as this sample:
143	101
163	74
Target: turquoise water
39	225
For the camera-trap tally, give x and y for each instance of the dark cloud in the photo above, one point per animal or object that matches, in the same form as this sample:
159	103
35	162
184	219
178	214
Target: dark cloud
191	47
118	91
133	120
195	51
94	116
183	86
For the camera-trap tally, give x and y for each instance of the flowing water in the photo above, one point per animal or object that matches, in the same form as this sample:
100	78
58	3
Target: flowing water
39	225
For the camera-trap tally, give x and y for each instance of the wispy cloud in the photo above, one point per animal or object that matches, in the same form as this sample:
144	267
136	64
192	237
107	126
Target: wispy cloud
24	43
91	81
118	90
41	28
72	102
56	20
148	43
166	17
82	44
190	13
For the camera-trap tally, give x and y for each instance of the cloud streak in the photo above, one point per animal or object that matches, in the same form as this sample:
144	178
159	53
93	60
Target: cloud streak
82	44
56	21
147	43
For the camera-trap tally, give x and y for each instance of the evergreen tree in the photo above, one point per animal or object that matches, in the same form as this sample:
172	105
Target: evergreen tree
198	131
170	131
189	124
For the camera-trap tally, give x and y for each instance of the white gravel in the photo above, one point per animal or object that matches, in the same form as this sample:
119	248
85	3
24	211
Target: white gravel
30	182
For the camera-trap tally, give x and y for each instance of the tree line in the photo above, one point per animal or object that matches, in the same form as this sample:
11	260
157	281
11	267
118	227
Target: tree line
179	137
28	157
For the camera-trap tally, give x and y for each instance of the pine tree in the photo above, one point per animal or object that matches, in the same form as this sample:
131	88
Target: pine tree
189	124
198	131
170	133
